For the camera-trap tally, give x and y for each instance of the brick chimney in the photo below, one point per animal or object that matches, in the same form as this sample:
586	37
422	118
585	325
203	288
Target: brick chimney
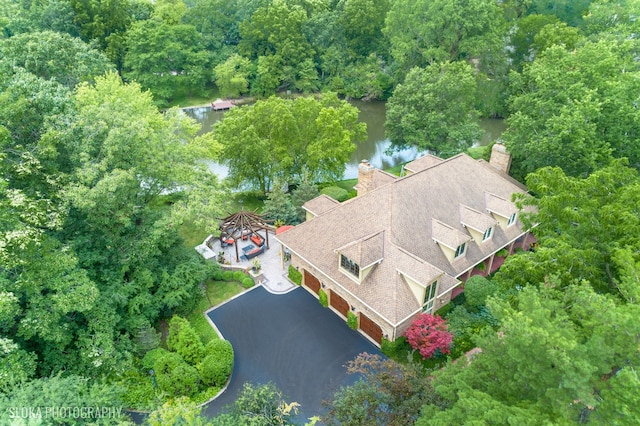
365	177
500	157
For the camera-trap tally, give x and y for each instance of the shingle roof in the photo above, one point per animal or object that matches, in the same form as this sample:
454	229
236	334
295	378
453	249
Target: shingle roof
423	163
476	219
365	251
320	204
400	217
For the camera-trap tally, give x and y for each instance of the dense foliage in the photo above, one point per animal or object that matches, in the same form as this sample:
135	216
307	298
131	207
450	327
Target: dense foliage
95	181
289	140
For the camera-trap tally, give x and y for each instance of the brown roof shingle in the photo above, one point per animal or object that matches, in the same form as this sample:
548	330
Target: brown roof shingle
397	219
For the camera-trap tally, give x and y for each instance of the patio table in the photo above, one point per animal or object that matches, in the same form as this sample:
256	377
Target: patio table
248	248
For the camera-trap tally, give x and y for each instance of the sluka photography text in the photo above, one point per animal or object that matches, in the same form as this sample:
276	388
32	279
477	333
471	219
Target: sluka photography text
69	412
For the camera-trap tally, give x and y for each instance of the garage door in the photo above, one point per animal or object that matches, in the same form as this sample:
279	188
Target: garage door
372	329
339	303
312	282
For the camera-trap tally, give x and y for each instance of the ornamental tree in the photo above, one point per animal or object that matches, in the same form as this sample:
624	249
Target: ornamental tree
428	334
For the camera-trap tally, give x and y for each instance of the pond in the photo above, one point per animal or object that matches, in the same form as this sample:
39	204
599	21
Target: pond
373	149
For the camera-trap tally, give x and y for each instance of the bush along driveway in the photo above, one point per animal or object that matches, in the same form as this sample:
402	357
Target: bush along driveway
290	340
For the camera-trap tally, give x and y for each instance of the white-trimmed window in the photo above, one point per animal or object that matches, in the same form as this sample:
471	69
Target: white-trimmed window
430	297
462	248
487	233
350	266
512	219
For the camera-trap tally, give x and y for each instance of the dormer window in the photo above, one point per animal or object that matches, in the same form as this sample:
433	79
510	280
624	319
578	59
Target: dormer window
487	233
512	219
462	248
350	266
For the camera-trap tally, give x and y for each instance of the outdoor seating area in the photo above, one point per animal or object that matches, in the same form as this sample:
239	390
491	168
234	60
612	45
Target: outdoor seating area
251	251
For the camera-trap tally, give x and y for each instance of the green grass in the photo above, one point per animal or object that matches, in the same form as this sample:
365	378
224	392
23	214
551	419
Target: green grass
347	184
186	100
217	292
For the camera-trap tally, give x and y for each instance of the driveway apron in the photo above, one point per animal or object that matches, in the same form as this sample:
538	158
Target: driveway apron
290	340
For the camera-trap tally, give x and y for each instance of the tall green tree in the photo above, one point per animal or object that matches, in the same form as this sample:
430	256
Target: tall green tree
274	32
554	360
426	31
582	224
575	109
434	109
287	138
167	59
53	56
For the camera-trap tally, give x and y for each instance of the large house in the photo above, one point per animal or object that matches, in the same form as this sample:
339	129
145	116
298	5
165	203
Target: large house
405	245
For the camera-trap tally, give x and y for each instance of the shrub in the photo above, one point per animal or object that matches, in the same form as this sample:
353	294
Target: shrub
217	275
323	298
428	334
396	350
336	193
185	341
166	363
216	367
481	266
227	276
352	320
502	253
247	282
477	289
175	324
183	380
295	275
239	276
149	360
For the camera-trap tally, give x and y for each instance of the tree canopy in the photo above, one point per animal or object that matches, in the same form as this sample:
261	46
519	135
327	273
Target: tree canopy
434	109
288	139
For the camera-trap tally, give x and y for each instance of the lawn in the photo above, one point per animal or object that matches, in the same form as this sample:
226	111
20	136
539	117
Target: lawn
216	293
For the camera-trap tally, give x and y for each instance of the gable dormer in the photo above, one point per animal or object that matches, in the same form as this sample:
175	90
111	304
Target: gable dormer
503	210
452	242
357	259
479	225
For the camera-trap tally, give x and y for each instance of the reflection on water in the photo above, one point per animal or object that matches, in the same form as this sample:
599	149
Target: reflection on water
373	149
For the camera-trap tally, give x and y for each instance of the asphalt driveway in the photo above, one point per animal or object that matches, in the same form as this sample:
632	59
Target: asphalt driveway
290	340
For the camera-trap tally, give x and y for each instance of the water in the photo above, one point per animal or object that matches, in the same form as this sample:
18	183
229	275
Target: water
373	149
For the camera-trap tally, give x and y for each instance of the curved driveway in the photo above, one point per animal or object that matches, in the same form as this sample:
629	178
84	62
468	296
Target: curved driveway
290	340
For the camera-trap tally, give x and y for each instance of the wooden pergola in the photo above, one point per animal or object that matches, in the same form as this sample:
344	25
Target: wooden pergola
243	223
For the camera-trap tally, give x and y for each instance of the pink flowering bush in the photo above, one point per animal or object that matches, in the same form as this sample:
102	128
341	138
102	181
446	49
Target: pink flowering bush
428	334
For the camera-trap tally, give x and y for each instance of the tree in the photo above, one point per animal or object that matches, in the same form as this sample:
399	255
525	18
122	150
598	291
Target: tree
184	340
258	405
428	335
433	110
426	31
167	59
389	393
66	393
477	289
99	19
572	109
178	411
275	31
54	56
582	223
558	346
278	206
287	138
304	192
232	76
361	22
